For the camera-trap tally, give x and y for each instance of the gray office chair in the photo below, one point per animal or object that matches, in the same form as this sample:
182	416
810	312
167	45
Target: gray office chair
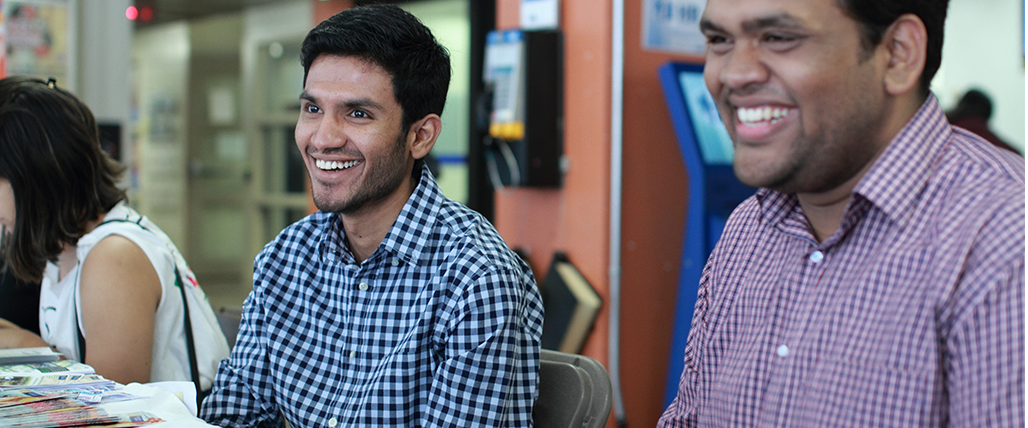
574	391
228	319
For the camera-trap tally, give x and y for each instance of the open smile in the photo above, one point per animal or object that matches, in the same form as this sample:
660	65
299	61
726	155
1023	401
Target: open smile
325	165
749	116
757	123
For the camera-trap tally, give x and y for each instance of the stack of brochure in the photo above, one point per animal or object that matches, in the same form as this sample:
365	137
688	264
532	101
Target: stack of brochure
40	391
28	355
48	367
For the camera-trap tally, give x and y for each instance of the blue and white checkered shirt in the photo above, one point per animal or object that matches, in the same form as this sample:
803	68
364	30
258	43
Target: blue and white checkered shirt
438	328
910	315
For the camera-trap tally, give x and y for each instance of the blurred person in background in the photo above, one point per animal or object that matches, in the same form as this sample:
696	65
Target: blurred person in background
972	113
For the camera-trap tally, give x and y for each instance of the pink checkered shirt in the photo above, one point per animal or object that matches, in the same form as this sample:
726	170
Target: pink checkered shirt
910	315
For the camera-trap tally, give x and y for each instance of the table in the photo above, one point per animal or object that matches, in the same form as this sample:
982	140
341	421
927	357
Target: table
161	402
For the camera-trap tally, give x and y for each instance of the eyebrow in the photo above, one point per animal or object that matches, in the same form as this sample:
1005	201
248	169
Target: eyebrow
782	20
359	102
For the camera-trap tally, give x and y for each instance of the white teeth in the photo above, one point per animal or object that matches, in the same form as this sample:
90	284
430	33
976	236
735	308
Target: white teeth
331	165
761	114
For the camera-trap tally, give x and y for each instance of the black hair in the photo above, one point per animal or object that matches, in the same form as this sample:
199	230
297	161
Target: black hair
395	40
875	17
61	178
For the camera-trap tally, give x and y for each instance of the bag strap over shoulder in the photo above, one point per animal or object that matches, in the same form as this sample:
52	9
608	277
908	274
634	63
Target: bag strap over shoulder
194	371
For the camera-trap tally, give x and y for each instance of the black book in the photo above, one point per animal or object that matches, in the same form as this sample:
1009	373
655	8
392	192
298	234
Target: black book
570	305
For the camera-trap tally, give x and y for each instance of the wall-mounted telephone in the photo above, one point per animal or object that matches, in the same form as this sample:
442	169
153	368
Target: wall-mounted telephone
524	76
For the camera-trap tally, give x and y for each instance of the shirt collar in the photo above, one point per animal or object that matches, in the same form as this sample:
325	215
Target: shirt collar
408	235
902	170
414	226
897	176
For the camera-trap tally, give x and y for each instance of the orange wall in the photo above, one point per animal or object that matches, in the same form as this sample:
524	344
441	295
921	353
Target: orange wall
653	210
324	9
575	218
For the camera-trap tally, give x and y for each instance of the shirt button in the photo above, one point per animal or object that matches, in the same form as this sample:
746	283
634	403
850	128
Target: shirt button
396	262
363	286
353	354
333	422
783	351
817	257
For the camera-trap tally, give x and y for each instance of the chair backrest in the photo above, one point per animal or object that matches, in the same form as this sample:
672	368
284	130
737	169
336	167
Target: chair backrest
229	319
574	391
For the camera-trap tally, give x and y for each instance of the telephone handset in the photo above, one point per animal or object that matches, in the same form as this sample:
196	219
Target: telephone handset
524	78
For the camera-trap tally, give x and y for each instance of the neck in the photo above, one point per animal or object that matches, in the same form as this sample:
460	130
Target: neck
92	224
824	210
68	258
366	228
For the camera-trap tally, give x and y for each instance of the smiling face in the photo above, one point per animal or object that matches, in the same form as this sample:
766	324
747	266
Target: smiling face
349	133
799	95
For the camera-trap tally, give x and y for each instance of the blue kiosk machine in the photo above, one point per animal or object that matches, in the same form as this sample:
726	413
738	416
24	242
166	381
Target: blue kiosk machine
713	192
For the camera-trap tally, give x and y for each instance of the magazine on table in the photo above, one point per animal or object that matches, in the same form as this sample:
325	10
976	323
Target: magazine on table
78	416
89	395
31	409
26	396
49	404
53	381
48	367
28	355
64	393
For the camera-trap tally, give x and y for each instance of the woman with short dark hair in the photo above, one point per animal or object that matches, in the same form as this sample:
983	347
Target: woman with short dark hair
115	292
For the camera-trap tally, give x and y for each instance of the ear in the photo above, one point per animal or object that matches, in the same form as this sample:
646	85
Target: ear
906	42
422	135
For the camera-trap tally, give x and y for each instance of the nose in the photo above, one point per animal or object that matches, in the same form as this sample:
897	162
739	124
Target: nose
328	133
743	66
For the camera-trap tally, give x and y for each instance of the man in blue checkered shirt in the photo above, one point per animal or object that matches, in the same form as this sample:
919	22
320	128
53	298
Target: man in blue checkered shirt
393	305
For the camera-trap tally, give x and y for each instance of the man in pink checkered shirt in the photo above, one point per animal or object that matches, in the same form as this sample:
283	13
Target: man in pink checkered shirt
877	277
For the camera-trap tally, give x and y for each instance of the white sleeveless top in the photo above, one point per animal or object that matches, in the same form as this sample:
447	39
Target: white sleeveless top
59	299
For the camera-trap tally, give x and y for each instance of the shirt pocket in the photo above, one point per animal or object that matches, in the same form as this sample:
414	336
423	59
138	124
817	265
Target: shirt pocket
399	322
887	316
878	356
847	393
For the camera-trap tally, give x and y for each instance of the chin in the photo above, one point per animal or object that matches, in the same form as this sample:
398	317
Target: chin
775	182
746	175
328	205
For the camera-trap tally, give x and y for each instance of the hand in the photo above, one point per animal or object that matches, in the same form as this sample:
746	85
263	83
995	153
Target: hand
12	336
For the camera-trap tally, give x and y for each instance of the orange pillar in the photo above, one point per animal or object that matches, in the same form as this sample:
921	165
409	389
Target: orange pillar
574	218
324	9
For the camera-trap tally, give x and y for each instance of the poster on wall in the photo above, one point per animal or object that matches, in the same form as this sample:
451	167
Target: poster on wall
36	38
673	26
540	14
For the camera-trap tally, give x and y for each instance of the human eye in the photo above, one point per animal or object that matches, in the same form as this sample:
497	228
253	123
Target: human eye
360	114
780	41
718	43
310	108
